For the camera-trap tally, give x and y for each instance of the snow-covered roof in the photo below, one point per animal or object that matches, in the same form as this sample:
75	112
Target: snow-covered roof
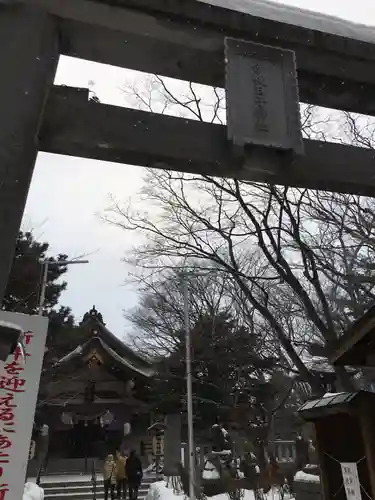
143	368
145	371
298	17
94	322
70	355
317	364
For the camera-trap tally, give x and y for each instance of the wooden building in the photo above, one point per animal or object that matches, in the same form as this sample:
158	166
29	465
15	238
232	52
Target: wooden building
347	459
345	443
92	395
357	346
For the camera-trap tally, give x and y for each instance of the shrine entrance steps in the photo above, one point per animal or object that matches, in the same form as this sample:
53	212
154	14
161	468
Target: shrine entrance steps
66	466
80	488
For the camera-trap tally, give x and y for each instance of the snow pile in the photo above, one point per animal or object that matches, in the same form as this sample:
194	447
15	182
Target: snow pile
222	453
299	17
152	467
210	472
306	478
32	492
159	491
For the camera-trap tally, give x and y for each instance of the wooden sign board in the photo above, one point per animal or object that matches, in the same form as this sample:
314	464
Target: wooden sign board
262	96
19	385
351	481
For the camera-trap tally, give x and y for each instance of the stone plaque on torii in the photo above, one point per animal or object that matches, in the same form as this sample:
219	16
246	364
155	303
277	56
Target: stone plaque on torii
252	53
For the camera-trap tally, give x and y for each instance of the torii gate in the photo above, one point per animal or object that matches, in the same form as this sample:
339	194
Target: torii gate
194	40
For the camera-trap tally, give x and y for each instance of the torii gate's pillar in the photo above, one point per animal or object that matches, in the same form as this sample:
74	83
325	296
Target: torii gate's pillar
29	54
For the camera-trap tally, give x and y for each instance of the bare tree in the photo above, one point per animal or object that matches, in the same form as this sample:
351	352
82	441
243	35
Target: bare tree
344	235
237	366
159	319
345	252
279	255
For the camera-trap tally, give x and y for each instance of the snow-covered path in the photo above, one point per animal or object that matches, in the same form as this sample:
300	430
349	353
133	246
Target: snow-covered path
160	491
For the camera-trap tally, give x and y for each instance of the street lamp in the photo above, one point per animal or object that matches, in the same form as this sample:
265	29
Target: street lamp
46	264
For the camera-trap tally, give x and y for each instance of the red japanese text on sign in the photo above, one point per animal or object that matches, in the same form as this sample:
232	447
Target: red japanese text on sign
28	336
7	415
7	400
12	384
3	491
18	355
5	442
19	379
14	368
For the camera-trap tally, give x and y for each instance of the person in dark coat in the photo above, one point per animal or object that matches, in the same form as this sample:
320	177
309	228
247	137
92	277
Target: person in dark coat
134	474
302	452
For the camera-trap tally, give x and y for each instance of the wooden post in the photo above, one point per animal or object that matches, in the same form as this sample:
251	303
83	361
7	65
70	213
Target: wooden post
172	444
28	60
366	416
324	479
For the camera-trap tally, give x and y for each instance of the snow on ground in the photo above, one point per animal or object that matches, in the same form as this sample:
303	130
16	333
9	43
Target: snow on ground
210	471
306	478
32	492
160	491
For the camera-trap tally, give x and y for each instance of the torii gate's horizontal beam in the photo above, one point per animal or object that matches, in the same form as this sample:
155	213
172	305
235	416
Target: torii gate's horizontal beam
77	127
185	40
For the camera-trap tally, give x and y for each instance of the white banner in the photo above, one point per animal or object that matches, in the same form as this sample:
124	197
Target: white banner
19	384
351	480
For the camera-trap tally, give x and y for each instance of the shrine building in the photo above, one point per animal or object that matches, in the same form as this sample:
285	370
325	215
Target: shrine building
95	399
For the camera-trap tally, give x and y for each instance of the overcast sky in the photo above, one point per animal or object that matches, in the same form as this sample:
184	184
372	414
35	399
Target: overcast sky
68	194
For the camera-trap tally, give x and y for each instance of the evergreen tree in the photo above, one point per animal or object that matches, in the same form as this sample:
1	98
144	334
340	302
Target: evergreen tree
24	284
24	288
229	374
23	293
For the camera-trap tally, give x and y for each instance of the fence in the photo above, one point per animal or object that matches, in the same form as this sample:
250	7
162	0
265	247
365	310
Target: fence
285	451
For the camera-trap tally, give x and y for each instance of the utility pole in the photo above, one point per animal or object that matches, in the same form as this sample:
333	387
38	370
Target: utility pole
189	391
